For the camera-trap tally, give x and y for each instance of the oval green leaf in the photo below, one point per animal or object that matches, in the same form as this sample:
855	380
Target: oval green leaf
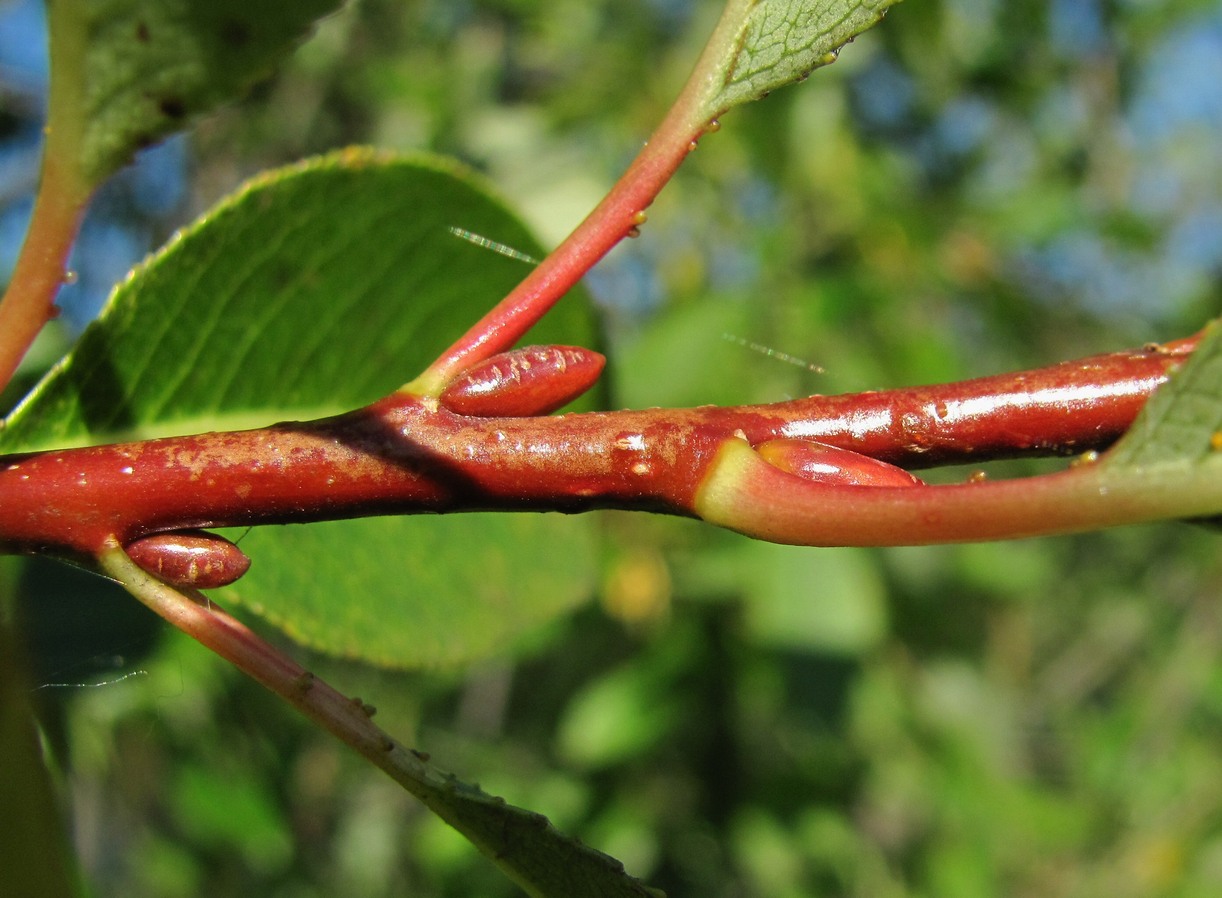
315	289
1174	448
781	41
1181	425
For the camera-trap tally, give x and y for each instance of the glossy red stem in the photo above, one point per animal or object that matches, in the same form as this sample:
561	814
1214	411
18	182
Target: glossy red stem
404	454
533	380
1059	410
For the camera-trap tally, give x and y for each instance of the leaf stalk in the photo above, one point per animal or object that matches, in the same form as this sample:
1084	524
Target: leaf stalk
620	214
63	192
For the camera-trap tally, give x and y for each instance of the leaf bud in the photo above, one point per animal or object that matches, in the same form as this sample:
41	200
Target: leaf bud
533	380
822	463
190	558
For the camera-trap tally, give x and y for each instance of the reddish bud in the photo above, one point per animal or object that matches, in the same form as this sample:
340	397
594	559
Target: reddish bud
530	381
829	464
190	558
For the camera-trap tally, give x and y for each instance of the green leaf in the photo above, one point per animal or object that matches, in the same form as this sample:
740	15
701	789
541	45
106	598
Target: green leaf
316	289
781	41
533	853
1171	458
150	65
1181	425
412	592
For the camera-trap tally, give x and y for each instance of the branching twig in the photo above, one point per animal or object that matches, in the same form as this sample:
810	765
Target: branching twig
490	823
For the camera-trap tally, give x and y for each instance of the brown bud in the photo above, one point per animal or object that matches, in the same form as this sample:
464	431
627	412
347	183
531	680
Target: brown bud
190	558
830	464
530	381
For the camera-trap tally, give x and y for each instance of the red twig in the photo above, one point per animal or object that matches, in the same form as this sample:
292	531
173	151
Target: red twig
403	455
620	214
63	193
40	271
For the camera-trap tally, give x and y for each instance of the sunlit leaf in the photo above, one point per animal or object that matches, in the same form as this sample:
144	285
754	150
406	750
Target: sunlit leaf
317	289
1172	455
417	591
1181	425
781	41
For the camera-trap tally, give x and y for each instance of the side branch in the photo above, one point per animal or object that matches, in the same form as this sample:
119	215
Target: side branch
620	214
491	824
63	193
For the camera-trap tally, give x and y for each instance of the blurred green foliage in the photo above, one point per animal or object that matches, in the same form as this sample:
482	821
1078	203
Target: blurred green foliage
974	187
